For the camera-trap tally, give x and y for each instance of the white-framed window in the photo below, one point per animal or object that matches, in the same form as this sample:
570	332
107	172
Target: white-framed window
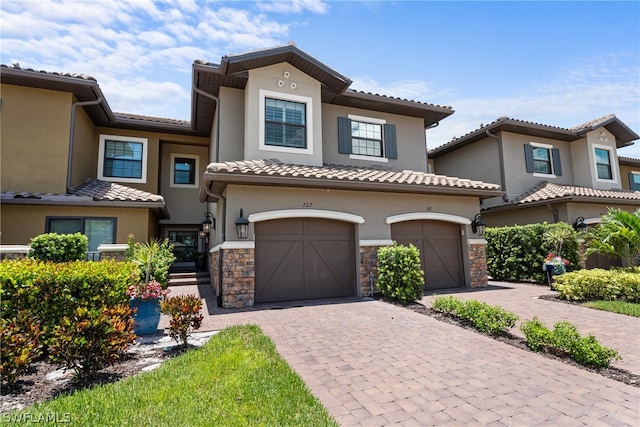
122	159
286	123
634	180
603	162
184	170
367	138
542	160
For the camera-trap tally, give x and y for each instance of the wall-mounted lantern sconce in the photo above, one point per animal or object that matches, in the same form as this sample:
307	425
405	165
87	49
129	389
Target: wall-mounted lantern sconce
242	226
208	223
478	225
579	225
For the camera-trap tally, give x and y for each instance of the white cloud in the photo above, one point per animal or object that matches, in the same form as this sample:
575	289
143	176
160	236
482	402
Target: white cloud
294	6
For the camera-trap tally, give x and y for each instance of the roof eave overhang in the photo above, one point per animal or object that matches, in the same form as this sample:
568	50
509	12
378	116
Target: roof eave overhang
159	208
216	182
560	200
506	125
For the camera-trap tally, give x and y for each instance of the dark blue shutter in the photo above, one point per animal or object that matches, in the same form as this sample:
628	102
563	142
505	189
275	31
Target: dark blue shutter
632	185
557	166
344	135
390	143
528	157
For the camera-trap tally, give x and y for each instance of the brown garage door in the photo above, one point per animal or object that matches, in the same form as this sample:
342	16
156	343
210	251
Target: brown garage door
440	250
304	258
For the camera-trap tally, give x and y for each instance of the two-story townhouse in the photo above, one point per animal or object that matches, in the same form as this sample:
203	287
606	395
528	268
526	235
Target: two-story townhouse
323	176
547	173
70	164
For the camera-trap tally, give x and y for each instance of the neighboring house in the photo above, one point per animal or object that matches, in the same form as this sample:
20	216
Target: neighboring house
547	173
324	176
69	164
630	173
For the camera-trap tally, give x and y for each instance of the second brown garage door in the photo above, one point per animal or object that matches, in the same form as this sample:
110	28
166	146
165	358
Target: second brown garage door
440	250
304	258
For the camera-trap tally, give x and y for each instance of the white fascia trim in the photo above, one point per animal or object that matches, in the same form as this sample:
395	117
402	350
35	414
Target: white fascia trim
476	241
357	118
234	244
382	242
113	247
591	221
428	216
14	249
305	213
368	158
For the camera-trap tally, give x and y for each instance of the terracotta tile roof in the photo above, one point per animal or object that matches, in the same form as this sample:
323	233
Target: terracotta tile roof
16	66
623	160
343	176
110	191
93	192
446	107
151	119
548	191
593	123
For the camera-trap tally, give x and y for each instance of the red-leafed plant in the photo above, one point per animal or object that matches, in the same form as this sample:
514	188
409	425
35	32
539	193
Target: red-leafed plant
19	345
185	316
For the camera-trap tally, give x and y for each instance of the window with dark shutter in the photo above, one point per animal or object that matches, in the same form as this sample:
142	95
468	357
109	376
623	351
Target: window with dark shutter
542	160
390	144
344	135
367	138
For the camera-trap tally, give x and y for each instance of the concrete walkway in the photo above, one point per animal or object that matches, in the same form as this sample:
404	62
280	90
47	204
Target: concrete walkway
374	364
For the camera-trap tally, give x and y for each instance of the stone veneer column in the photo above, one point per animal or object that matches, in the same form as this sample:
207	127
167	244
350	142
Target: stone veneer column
238	277
214	273
369	267
478	263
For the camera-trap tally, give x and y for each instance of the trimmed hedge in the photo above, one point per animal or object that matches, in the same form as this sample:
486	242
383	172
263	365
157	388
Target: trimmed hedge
59	247
52	291
597	284
516	253
399	273
491	319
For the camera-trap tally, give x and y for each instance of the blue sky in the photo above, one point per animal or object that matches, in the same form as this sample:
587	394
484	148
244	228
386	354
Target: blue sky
556	63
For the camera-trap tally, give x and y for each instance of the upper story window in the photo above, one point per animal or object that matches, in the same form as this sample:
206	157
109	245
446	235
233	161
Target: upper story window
542	160
603	163
184	170
122	159
367	138
286	123
634	181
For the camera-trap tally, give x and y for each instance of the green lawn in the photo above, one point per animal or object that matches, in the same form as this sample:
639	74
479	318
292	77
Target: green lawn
236	379
628	308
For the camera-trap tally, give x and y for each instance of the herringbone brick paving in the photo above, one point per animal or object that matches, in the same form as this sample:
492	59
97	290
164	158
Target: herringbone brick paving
374	364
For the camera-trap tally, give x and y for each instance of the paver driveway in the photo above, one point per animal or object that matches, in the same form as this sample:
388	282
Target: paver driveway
374	364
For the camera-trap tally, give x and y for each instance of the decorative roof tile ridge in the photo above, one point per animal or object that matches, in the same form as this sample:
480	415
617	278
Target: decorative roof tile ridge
447	107
593	123
154	119
16	66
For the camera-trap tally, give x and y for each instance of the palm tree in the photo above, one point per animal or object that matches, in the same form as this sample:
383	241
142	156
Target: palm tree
617	236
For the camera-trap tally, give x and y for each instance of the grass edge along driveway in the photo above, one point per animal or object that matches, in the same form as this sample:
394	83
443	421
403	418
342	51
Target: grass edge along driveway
236	379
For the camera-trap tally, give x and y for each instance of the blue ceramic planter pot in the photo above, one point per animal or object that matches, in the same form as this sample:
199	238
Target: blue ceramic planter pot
147	316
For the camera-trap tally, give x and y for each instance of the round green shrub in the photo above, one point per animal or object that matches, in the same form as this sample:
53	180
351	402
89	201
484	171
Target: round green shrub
399	274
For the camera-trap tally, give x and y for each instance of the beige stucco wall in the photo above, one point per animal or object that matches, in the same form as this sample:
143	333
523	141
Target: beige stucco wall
20	223
184	204
516	176
35	139
374	207
410	136
231	125
478	161
268	78
85	149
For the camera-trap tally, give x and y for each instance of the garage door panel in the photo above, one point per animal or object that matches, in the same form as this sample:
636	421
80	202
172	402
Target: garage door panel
440	248
328	272
317	261
280	269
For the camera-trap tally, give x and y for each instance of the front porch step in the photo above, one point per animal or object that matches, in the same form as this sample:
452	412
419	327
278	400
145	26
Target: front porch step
189	279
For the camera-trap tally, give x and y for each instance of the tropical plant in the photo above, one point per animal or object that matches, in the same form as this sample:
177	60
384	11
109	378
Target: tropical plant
154	259
557	236
617	236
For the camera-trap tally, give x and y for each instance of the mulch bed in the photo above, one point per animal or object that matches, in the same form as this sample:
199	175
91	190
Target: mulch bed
616	374
34	386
